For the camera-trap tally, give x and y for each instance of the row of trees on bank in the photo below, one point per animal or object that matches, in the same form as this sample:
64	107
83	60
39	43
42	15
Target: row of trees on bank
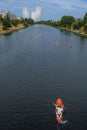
68	22
7	22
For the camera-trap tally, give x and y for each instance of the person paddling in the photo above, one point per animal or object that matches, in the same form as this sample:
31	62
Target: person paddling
59	109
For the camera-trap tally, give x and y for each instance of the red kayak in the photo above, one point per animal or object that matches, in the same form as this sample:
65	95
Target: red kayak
59	109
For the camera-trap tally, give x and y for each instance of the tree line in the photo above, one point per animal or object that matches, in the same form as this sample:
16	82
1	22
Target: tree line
68	22
7	22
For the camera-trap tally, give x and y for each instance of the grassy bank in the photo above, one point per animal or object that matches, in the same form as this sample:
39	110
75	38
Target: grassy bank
11	29
80	32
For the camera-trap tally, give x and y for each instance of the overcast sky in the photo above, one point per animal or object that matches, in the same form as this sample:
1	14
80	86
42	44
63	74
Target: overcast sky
45	9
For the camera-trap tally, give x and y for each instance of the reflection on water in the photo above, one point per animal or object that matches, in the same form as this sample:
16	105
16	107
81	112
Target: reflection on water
37	65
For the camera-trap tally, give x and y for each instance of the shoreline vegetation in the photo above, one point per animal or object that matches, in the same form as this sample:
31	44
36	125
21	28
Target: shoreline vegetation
10	29
66	23
10	23
70	24
79	32
21	26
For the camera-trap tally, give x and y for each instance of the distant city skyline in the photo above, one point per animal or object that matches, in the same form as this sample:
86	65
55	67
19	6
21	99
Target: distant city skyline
45	9
34	14
25	12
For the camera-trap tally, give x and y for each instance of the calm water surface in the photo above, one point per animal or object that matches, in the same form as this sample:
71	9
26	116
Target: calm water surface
37	65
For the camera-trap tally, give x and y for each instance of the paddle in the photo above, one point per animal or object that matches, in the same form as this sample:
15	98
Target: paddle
64	122
54	105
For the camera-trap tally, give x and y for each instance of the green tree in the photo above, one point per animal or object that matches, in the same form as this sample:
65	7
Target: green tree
15	22
66	21
77	24
27	22
56	23
85	18
85	27
6	23
30	21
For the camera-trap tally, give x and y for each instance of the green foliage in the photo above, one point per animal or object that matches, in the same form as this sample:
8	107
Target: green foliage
56	24
85	27
66	21
85	18
50	22
25	24
15	22
6	23
28	21
77	24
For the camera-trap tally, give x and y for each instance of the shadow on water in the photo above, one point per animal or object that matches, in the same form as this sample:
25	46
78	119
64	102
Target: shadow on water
62	127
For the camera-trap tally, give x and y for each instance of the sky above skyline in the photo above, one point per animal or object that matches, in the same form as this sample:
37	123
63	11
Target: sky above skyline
45	9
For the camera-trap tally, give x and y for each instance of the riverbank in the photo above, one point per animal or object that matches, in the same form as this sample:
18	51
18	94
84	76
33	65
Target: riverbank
80	32
11	29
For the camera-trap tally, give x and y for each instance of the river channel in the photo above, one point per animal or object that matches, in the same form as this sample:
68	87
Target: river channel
37	65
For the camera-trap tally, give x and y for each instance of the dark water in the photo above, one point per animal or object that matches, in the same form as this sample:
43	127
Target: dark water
37	65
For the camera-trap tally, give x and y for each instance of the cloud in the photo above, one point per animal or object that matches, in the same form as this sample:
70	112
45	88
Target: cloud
35	15
25	12
46	9
69	4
